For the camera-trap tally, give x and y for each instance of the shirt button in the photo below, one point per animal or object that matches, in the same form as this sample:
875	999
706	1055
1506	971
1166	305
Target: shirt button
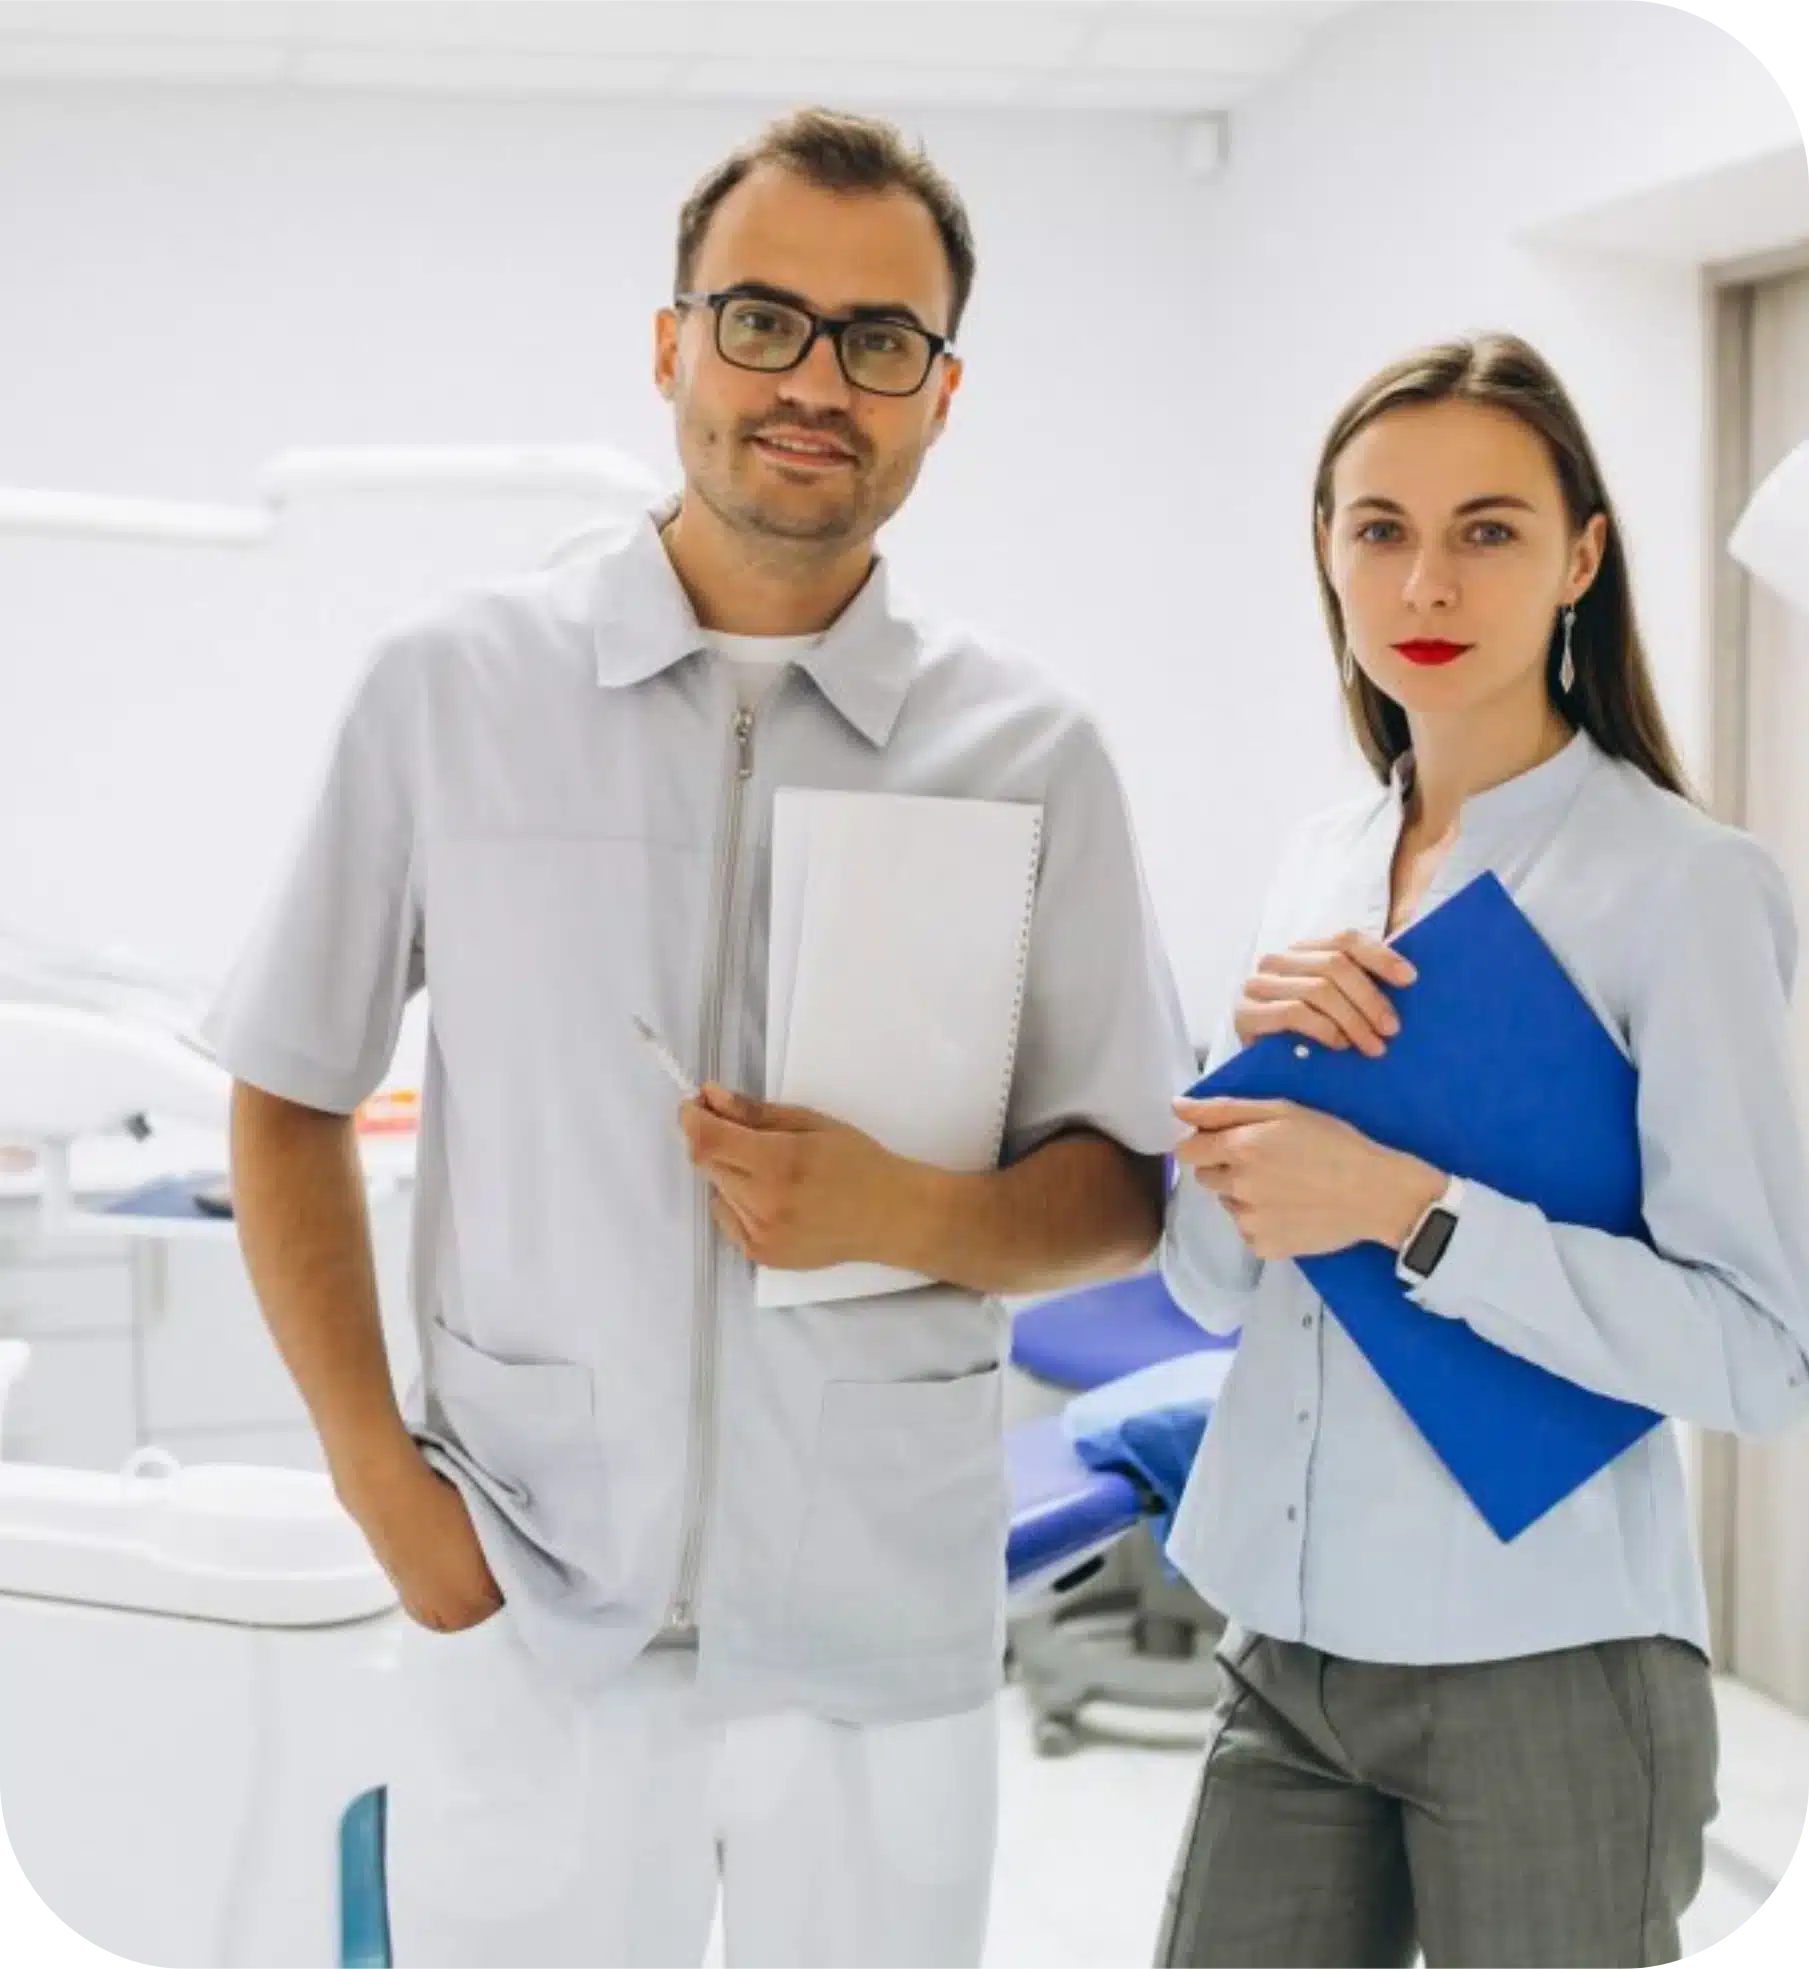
1306	1415
1293	1514
1307	1321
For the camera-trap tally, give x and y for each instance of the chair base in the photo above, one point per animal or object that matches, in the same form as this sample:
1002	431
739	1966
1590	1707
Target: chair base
1133	1636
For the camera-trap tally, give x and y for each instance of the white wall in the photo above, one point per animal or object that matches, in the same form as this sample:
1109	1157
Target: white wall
214	276
1376	199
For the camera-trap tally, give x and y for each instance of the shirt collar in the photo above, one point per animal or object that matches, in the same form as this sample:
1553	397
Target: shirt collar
642	623
1541	790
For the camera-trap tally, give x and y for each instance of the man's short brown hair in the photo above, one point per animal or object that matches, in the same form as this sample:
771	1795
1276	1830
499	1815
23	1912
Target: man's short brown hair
838	152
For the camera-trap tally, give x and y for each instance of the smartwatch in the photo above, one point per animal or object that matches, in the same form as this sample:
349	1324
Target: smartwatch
1427	1241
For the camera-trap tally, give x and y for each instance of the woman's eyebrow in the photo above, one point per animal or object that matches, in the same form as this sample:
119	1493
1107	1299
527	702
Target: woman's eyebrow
1498	499
1469	506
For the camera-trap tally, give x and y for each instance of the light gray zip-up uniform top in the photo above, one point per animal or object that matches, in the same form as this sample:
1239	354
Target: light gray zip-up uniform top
1316	1512
547	806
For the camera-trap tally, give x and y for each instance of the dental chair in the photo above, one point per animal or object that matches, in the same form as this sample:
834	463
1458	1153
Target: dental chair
1138	1636
68	1072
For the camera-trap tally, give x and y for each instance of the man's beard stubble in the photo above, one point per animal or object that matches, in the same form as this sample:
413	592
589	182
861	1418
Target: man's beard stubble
858	514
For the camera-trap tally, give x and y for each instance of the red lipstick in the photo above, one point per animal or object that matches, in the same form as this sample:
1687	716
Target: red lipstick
1428	654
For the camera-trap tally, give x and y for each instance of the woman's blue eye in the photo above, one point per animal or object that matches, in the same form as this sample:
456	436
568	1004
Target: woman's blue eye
1368	530
1496	531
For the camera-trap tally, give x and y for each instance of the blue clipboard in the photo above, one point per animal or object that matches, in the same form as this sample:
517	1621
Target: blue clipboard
1502	1073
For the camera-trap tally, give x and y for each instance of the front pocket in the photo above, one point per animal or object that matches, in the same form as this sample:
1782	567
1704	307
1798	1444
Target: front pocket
1622	1669
903	1541
490	1773
526	1431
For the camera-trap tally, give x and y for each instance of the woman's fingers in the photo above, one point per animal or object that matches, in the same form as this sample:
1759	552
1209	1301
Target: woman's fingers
1338	969
1323	994
1204	1151
1333	976
1287	1013
1382	959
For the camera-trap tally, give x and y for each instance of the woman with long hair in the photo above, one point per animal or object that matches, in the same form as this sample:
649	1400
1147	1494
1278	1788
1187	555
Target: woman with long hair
1491	1751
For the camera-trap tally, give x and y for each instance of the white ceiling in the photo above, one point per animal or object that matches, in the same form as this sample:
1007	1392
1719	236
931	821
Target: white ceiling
1173	55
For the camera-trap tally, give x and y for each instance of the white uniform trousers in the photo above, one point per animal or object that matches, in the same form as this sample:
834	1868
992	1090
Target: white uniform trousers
527	1825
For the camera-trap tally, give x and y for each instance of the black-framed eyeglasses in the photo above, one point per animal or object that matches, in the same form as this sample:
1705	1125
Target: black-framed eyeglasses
877	353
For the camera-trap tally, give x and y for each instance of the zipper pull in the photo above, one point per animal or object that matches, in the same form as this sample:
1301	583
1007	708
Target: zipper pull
744	738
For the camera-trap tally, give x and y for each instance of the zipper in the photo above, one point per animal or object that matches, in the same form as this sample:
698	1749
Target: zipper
709	1053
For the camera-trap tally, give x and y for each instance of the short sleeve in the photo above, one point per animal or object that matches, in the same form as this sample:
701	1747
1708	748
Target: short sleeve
312	1009
1103	1043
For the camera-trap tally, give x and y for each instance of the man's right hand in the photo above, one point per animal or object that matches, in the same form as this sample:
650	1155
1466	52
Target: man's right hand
422	1535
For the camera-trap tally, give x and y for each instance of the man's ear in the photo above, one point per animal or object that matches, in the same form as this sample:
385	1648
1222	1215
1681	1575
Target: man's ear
665	352
945	395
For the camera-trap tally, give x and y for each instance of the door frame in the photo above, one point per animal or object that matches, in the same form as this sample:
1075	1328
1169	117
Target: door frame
1728	301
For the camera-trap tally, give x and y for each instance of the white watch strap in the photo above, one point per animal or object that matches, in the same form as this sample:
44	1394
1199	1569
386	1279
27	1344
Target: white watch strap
1451	1199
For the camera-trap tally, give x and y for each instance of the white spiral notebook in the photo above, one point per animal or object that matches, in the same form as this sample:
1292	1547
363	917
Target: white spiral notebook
899	947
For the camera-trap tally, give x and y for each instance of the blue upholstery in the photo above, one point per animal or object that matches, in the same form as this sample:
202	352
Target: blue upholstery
1084	1339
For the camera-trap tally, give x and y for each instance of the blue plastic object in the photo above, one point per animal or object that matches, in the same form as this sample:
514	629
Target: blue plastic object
169	1196
1084	1339
1501	1072
1150	1424
364	1941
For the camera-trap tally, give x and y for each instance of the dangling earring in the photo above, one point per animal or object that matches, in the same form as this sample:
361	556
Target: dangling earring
1349	666
1567	669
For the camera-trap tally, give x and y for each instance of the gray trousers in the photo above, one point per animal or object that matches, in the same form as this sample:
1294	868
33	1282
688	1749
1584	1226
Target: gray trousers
1547	1810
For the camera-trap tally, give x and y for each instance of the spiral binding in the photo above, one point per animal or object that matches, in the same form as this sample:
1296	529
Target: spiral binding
1009	1066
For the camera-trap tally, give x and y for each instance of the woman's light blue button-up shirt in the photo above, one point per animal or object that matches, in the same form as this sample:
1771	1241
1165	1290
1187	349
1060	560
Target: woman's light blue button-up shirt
1316	1512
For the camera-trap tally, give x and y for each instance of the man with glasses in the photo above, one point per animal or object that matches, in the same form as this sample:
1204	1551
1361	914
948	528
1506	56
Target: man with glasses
702	1596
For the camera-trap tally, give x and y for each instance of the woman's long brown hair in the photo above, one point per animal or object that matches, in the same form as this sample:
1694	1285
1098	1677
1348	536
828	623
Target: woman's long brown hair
1613	699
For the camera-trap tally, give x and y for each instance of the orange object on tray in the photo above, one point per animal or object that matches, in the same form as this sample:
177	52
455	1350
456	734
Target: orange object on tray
391	1111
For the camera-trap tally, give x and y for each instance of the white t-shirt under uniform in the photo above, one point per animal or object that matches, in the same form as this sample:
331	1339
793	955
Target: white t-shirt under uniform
757	662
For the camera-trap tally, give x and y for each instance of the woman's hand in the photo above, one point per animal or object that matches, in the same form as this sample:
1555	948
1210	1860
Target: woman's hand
1326	990
1298	1183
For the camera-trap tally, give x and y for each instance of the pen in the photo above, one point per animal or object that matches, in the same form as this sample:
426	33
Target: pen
669	1065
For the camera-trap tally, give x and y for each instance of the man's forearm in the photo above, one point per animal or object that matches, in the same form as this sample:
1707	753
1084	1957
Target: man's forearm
1079	1208
298	1196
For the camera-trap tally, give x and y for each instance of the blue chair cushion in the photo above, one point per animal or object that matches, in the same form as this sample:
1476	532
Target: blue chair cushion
1084	1339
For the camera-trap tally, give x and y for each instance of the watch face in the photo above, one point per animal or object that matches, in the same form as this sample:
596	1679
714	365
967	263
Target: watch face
1428	1247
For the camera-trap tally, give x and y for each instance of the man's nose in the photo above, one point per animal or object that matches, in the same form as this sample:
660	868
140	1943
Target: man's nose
818	383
